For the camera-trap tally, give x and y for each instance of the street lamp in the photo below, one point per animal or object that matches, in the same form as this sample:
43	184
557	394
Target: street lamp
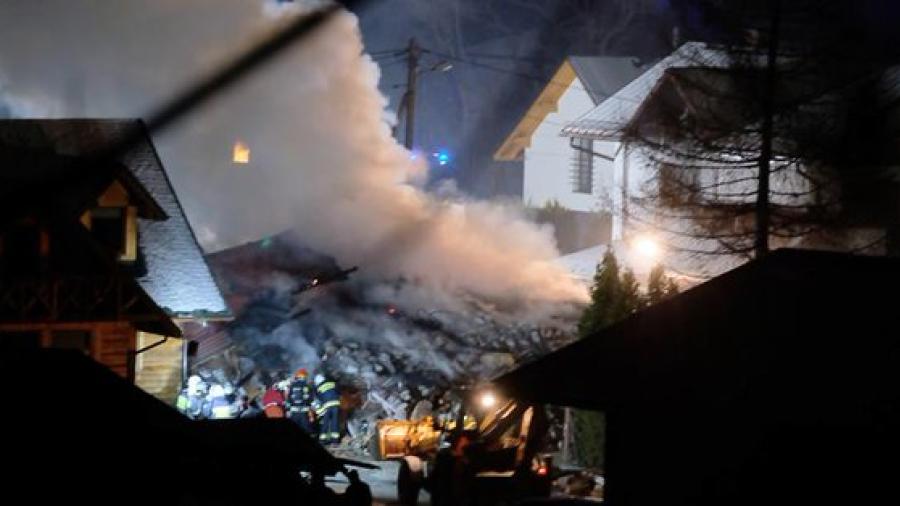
648	247
442	66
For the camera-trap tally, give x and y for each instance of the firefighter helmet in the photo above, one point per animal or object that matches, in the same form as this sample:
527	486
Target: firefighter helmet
216	391
301	373
319	379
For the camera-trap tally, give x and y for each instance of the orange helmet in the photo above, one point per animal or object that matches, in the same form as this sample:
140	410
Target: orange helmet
301	373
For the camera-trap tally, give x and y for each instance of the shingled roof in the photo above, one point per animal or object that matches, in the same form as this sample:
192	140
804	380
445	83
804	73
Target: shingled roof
609	118
177	277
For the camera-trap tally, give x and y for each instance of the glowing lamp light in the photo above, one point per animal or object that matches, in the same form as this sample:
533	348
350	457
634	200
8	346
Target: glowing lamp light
647	247
240	153
487	400
314	282
392	310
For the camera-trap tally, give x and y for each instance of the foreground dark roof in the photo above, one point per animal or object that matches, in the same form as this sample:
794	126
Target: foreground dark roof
177	276
108	439
808	325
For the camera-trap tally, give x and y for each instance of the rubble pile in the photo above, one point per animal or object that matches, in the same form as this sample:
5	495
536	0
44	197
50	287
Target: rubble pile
389	344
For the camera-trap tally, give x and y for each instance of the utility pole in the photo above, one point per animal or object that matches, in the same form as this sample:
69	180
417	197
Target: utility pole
412	69
763	213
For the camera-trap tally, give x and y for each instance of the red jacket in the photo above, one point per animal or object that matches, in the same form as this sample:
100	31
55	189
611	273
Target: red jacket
273	403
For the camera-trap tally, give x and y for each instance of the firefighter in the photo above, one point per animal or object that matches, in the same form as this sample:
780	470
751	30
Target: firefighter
273	402
191	401
219	407
299	401
328	403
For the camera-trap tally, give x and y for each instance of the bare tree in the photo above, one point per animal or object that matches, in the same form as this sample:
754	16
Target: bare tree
774	133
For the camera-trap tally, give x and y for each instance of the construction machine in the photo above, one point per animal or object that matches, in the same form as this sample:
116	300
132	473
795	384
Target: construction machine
484	451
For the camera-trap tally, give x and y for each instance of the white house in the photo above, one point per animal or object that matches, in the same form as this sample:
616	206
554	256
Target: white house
571	144
616	119
576	173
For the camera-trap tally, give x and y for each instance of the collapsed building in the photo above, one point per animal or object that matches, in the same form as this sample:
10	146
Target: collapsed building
389	344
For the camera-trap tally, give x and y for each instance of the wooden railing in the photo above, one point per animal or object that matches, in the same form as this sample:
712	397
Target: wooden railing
69	298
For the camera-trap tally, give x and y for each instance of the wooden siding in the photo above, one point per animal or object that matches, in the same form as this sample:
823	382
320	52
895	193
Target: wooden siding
110	341
158	370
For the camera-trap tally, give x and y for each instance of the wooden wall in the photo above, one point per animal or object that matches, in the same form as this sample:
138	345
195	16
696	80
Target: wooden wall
158	371
109	343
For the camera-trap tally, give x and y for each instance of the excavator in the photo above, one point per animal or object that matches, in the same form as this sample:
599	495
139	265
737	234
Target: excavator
482	452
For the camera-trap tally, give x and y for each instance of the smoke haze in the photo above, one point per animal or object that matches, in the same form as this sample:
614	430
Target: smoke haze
322	159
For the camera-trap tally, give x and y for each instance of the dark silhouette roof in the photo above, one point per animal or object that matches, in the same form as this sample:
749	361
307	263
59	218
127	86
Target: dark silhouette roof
89	436
809	325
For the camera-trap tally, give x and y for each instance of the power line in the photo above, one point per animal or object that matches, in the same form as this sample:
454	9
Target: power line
386	52
522	75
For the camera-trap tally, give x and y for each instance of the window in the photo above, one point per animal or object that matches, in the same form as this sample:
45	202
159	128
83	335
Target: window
108	227
583	166
115	227
72	340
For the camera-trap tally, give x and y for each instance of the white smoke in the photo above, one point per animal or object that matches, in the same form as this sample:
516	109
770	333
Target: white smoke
323	161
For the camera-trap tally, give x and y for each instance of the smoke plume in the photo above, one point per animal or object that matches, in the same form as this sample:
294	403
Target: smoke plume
322	159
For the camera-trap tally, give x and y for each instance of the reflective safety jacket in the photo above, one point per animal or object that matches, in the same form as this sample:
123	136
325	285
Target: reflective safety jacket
300	396
190	405
327	397
220	408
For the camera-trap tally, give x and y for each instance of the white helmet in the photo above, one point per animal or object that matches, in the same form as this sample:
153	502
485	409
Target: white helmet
319	379
216	391
195	385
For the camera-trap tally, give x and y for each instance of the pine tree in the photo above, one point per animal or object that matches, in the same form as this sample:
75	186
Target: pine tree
659	286
615	295
656	285
604	296
630	297
671	288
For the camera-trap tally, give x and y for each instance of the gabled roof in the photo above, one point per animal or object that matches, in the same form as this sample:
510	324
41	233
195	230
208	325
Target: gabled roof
177	277
611	116
601	76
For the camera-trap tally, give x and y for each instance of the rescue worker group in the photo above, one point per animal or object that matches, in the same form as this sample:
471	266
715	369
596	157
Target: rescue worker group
315	406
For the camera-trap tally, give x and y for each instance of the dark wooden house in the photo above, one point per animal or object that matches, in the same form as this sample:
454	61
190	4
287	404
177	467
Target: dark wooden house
95	251
775	383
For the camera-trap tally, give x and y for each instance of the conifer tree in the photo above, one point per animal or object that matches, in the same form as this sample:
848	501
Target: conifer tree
615	295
